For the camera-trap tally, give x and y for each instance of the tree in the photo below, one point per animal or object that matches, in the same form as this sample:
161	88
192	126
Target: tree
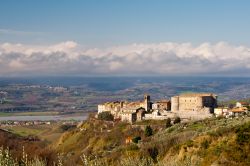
106	116
153	153
168	123
136	139
148	131
177	120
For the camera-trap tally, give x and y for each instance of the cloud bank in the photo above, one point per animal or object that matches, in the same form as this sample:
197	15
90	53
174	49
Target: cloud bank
70	58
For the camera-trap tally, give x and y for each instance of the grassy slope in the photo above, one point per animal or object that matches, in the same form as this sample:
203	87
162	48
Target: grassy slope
205	142
33	148
50	133
25	130
211	141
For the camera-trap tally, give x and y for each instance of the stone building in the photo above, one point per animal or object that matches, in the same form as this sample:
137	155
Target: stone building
125	110
221	111
187	106
194	105
193	102
162	105
133	115
113	107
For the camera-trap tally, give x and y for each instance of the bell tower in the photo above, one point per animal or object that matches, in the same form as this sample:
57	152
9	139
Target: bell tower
147	102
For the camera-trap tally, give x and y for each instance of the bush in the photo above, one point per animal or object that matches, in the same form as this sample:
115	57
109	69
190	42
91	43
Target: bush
106	116
6	159
177	120
136	161
148	131
168	123
153	153
205	144
67	127
243	134
136	139
132	147
190	143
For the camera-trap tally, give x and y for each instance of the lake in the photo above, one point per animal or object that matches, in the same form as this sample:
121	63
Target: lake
44	118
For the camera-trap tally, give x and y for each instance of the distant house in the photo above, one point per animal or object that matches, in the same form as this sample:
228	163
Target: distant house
242	104
133	115
221	111
162	105
128	117
238	111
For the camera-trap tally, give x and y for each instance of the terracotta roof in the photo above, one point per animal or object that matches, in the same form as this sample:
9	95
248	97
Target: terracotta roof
243	103
241	109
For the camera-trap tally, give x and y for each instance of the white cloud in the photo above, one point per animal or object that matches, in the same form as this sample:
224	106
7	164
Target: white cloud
168	58
16	64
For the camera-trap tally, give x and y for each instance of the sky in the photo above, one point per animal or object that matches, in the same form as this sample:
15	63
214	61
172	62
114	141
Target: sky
124	37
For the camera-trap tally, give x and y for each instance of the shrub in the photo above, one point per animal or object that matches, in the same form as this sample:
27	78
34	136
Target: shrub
190	143
148	131
67	127
136	161
168	123
177	120
205	144
132	147
136	139
106	116
153	153
6	159
243	134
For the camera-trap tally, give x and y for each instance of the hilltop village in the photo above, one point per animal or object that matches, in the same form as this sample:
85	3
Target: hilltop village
194	106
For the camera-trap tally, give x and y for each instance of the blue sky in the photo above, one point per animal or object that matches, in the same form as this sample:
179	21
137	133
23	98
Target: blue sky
124	37
115	22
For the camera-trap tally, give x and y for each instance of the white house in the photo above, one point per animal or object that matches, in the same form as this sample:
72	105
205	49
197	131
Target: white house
241	104
220	111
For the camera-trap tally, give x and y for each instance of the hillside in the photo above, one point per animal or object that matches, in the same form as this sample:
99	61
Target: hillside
216	141
33	147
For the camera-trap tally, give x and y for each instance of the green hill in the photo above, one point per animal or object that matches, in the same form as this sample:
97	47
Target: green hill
215	141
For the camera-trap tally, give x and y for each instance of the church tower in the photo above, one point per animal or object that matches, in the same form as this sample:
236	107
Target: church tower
147	102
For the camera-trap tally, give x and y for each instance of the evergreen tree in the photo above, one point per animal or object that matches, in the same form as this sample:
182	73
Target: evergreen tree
148	131
136	139
106	116
168	123
177	120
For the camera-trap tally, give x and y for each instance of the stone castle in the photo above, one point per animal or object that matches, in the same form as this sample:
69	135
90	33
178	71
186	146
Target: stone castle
189	106
196	106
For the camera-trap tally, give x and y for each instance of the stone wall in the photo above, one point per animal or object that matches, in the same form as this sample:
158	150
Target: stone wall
193	102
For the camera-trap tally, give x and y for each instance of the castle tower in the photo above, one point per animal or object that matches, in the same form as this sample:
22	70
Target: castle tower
175	103
147	102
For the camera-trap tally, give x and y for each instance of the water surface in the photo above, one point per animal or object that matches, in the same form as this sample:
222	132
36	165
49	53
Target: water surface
44	118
